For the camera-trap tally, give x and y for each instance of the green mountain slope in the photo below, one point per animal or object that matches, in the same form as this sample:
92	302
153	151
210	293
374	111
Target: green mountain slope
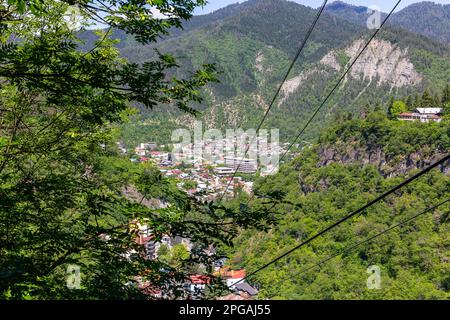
252	44
355	161
424	18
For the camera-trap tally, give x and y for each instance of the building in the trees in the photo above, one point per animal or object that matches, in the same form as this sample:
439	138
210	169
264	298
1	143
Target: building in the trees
230	276
197	283
223	171
245	290
241	164
422	115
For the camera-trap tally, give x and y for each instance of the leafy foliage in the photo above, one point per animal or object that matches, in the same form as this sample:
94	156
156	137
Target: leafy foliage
252	57
314	195
397	108
66	196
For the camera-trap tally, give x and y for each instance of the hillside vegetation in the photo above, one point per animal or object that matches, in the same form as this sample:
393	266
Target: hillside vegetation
252	57
425	18
355	161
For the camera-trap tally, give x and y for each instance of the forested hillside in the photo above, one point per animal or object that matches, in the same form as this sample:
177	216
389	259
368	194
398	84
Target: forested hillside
85	214
355	161
425	18
252	57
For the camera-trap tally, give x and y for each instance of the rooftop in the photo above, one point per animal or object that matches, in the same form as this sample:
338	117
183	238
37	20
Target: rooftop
244	286
199	279
429	110
231	274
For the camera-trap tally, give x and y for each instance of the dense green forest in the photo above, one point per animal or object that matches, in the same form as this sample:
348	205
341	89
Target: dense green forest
425	18
316	191
69	198
251	58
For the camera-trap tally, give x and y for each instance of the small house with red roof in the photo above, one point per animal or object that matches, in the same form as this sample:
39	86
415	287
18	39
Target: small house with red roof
197	283
422	115
231	276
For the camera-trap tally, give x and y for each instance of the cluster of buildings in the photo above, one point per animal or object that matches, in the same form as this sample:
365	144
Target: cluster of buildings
197	283
241	164
205	178
422	115
211	179
147	239
222	153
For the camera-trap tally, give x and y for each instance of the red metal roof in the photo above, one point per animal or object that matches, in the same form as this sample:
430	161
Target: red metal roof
143	240
199	279
231	274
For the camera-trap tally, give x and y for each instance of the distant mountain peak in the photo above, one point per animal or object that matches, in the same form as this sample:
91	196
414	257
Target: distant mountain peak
341	5
426	18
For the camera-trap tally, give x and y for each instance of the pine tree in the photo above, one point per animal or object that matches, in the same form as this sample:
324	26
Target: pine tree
410	102
417	101
445	101
436	100
427	100
390	105
446	94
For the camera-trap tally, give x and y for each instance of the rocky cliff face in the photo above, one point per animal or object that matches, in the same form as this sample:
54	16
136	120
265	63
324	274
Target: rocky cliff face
387	165
382	61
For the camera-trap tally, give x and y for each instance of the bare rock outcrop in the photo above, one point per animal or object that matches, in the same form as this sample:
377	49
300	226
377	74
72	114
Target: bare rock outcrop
388	165
384	61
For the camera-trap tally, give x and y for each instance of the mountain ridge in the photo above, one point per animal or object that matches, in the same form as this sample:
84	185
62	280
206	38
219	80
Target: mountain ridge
426	18
252	56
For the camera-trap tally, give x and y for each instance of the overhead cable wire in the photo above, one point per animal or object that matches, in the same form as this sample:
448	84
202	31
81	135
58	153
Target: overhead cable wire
355	245
358	211
299	51
332	90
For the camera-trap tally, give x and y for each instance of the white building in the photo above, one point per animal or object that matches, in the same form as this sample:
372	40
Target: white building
201	186
422	115
161	156
241	164
223	171
139	151
148	145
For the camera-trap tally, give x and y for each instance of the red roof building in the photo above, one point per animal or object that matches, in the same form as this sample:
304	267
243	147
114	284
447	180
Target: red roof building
144	240
422	115
199	279
231	274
